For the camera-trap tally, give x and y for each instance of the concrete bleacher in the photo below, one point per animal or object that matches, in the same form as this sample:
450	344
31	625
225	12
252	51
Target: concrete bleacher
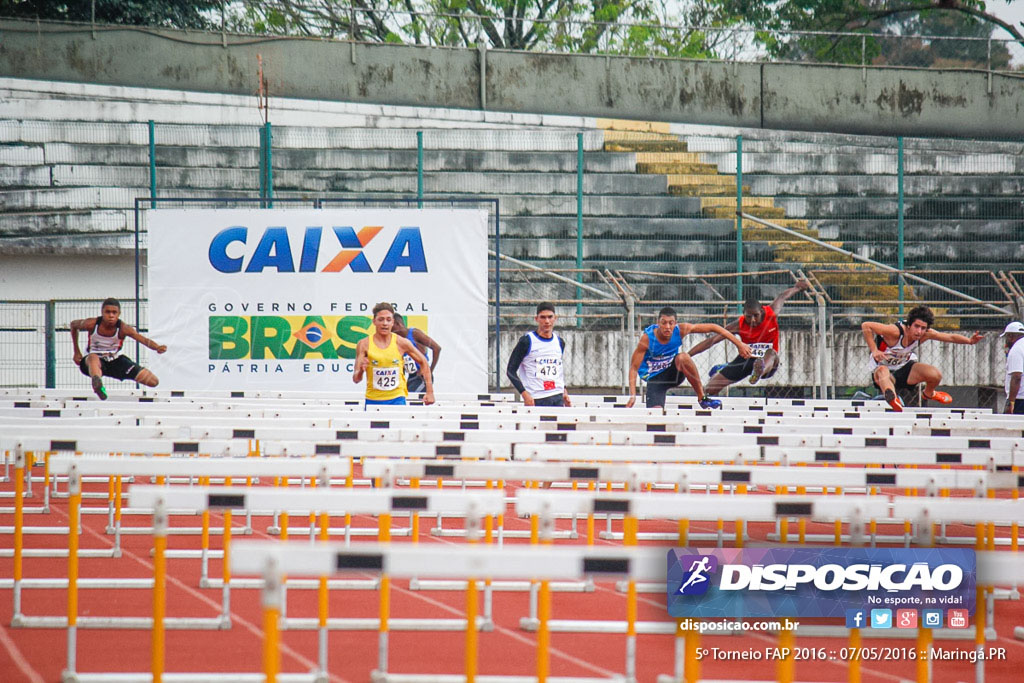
660	197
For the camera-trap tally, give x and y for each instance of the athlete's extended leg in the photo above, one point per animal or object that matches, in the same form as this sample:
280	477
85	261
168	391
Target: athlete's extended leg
147	378
765	367
688	369
96	374
717	383
884	381
931	376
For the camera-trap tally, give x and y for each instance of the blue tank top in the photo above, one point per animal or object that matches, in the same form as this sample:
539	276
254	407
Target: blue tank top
411	366
659	356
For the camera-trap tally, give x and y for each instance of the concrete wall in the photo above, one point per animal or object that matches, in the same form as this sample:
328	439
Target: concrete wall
882	101
25	277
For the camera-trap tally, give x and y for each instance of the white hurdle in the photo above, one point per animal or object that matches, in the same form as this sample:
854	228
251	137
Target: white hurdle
272	560
380	502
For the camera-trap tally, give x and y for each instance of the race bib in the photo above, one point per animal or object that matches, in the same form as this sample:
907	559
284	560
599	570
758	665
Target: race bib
656	365
411	368
759	349
549	368
385	379
896	359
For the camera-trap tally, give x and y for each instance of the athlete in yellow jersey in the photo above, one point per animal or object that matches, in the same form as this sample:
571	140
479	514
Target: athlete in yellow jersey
380	357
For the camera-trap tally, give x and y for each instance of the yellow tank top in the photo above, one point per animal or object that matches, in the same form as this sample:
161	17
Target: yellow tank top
385	376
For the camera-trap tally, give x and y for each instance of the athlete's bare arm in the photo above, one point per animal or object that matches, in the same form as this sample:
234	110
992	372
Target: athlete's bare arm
405	346
785	294
634	368
702	328
1011	396
362	360
423	339
76	325
948	338
131	332
711	341
890	333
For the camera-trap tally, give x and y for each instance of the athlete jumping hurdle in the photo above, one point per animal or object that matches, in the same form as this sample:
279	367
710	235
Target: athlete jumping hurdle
893	349
659	359
758	327
102	349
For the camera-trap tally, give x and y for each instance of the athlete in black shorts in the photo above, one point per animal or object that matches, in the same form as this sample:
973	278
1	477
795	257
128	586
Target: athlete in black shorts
102	356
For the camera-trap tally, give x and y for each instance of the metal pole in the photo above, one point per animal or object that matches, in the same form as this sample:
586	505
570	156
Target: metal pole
138	283
822	349
631	339
269	137
497	294
263	161
739	222
899	218
152	165
556	276
579	224
51	346
419	169
864	259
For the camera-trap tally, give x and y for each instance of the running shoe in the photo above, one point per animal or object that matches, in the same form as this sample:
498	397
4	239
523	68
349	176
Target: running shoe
756	374
711	403
97	386
715	369
893	400
940	397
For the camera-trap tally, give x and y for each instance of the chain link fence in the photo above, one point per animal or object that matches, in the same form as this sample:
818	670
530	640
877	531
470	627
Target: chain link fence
597	220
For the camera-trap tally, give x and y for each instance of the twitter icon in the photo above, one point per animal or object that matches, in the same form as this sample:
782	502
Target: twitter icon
881	618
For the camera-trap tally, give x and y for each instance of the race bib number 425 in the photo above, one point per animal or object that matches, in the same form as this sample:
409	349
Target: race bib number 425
385	379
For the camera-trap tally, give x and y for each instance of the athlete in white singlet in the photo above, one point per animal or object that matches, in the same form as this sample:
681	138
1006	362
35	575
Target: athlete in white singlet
102	357
893	362
535	366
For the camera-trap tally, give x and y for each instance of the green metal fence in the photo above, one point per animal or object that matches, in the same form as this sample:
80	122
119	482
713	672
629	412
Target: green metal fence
645	213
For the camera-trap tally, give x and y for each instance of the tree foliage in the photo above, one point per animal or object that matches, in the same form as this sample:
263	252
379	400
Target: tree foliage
165	13
721	29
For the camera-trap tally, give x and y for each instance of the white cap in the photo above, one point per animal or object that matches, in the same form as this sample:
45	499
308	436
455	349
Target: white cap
1013	328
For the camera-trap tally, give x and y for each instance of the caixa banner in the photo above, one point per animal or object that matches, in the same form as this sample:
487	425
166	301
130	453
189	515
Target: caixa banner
818	582
278	299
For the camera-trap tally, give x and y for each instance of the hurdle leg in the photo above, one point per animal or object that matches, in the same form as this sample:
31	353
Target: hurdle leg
786	667
204	542
543	634
630	529
631	613
226	569
74	505
157	636
690	667
272	581
323	604
19	521
382	635
854	662
46	483
979	633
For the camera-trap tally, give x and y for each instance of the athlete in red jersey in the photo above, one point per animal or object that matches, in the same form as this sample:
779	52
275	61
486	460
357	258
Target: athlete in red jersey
758	327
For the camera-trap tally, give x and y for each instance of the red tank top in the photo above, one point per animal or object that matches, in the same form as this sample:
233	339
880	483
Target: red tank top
765	333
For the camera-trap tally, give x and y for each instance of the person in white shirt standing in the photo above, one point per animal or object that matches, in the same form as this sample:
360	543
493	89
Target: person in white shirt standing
1014	334
535	366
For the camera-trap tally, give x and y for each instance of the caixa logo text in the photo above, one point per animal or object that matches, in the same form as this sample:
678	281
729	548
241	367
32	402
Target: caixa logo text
232	250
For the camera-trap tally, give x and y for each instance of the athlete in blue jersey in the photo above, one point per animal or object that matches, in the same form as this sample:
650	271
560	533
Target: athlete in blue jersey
427	346
660	360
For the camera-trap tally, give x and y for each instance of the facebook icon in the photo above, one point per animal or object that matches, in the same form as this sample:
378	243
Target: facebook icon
856	618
